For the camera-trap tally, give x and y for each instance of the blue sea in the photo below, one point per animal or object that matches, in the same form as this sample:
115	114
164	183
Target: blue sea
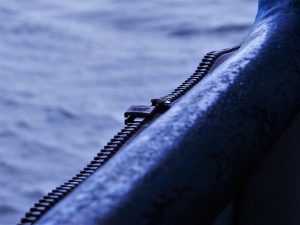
69	69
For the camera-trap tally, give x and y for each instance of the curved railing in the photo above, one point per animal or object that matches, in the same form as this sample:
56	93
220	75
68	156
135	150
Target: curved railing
187	164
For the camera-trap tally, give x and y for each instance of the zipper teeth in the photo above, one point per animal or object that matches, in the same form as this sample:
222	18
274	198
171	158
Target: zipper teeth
129	130
203	68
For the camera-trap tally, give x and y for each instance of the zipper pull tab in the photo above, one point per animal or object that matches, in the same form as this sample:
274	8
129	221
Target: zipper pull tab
139	112
143	112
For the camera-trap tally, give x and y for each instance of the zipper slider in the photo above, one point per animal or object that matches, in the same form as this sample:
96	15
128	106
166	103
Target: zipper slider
163	104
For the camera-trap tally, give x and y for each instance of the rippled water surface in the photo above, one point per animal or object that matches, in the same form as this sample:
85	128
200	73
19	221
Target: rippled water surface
69	69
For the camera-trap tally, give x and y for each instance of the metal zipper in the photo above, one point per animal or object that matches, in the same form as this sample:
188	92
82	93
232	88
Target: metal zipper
135	118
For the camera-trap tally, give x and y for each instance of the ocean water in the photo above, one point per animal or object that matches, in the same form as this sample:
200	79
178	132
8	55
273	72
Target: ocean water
69	69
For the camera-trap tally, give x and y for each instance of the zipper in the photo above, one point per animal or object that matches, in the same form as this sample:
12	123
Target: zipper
136	117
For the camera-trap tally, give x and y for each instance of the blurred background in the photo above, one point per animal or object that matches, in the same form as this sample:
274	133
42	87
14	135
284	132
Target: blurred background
69	69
